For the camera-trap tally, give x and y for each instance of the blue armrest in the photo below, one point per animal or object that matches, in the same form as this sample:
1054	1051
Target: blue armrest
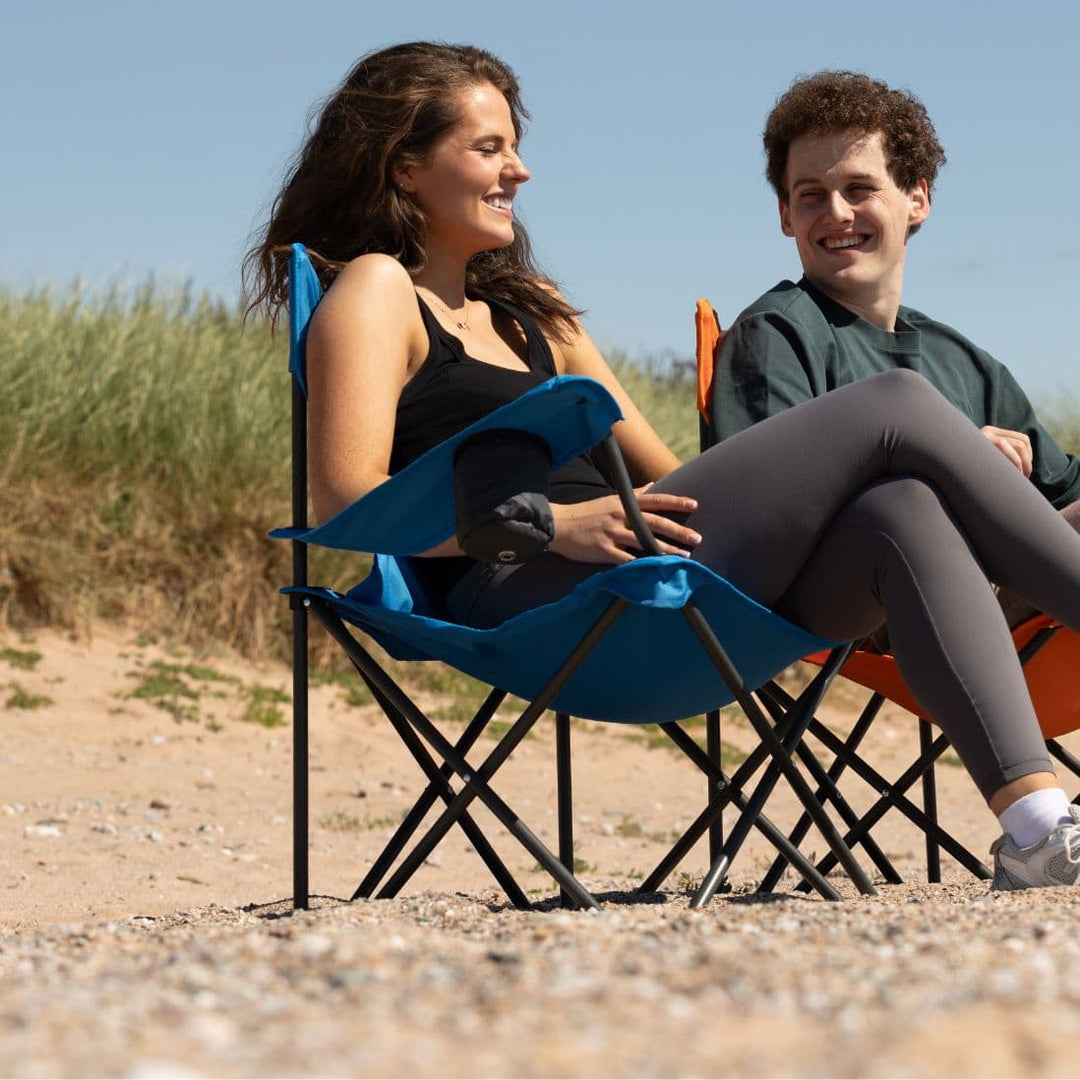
414	510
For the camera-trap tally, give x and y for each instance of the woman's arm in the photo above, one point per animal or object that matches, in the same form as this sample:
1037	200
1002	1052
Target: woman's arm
597	530
648	457
365	341
366	338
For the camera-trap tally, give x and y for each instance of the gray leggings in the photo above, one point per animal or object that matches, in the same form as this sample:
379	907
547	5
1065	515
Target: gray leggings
878	500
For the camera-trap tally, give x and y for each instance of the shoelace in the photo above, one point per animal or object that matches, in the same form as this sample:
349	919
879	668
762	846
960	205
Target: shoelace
1072	845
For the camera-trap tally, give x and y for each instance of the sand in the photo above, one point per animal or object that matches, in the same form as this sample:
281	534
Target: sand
146	926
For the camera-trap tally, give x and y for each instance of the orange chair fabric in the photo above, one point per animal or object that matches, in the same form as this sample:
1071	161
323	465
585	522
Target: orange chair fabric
1053	677
709	339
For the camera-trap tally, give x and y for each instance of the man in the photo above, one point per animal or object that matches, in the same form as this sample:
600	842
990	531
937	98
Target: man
853	164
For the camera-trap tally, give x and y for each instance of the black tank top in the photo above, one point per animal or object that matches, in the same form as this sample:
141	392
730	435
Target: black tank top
452	390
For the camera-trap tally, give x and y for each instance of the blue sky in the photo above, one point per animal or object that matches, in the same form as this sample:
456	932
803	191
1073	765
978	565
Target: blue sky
139	138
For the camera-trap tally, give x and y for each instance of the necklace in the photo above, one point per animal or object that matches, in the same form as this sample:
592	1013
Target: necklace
462	323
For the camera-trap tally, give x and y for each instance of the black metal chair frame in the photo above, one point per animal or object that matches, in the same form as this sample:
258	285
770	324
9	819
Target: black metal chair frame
891	793
416	730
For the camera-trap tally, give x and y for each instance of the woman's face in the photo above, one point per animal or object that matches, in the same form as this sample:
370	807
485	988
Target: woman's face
466	187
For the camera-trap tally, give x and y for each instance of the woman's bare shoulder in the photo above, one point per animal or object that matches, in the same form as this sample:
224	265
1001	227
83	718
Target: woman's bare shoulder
374	277
372	292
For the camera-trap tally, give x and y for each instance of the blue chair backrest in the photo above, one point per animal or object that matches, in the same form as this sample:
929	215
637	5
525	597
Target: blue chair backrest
305	292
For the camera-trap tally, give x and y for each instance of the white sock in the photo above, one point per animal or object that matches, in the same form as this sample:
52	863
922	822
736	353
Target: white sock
1035	816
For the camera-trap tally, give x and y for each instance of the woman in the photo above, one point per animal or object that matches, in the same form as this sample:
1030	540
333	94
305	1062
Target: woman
878	499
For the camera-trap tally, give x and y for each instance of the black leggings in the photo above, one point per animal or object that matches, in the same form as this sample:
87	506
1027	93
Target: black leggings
878	500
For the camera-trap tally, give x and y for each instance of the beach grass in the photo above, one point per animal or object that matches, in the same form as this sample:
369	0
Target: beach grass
144	456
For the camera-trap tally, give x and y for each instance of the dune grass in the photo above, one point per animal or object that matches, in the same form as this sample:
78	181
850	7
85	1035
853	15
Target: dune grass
143	458
144	448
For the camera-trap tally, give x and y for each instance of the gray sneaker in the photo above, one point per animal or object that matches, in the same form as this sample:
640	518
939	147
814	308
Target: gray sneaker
1052	861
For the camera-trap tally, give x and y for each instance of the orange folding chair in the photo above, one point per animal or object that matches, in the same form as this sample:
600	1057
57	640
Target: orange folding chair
1049	652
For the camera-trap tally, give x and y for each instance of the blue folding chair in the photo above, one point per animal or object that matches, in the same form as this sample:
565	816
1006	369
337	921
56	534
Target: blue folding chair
658	614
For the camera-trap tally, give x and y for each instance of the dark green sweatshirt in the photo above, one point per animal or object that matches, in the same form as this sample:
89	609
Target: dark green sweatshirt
794	343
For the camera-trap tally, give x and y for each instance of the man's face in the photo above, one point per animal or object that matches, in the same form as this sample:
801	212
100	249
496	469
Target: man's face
849	220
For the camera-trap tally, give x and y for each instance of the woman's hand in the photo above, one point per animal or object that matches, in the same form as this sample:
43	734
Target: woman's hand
597	531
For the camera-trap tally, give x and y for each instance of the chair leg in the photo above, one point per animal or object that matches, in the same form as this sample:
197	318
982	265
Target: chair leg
300	756
892	795
835	771
713	747
564	793
1066	758
929	797
780	755
791	725
439	787
827	781
476	786
476	780
751	813
730	790
408	720
727	790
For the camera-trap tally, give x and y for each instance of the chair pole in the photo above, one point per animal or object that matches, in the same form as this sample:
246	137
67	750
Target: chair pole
780	755
713	749
476	781
564	788
728	790
775	699
300	652
434	791
891	794
1067	759
929	801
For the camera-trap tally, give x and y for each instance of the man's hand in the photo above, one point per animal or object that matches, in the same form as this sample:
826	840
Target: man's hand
1015	445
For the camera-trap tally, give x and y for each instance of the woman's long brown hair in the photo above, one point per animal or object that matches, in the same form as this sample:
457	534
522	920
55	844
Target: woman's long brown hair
340	200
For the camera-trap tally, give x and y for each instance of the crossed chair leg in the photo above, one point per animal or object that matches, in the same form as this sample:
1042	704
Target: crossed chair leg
892	794
790	727
416	729
418	733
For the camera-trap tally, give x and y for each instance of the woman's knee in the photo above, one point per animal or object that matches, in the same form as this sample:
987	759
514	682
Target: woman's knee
904	380
900	389
896	505
907	409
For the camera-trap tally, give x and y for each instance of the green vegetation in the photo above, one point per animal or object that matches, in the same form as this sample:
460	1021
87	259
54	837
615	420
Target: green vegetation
261	706
21	698
144	449
343	821
177	689
634	830
165	688
143	458
654	737
23	659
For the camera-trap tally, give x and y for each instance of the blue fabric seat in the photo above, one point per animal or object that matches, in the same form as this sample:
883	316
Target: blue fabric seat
646	607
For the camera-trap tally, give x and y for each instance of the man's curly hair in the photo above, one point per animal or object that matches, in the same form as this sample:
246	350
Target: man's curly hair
833	101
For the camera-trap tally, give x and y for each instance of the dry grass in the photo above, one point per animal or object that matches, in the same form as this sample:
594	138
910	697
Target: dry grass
143	460
144	457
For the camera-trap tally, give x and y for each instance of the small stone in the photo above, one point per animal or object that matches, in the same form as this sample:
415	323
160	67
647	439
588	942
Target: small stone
47	830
